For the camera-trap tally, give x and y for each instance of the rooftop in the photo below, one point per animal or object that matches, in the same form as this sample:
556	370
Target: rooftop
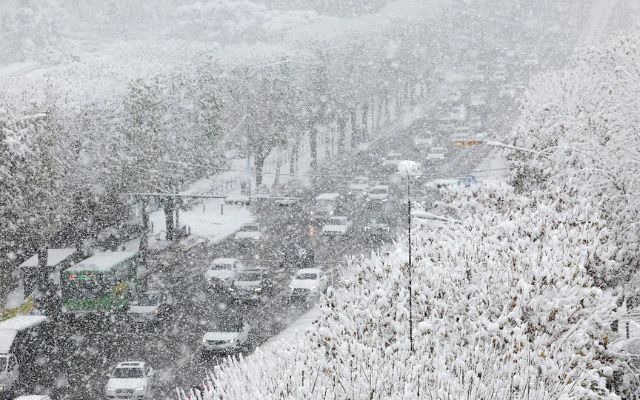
54	257
103	262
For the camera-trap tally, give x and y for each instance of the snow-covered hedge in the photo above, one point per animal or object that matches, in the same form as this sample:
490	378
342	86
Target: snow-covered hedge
504	307
582	125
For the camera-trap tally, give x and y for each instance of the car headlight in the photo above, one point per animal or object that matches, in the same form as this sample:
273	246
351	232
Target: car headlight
110	389
258	290
232	289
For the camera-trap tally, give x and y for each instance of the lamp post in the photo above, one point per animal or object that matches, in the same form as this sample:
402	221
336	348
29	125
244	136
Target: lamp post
409	168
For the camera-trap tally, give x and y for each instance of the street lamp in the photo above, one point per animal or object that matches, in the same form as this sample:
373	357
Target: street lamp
408	169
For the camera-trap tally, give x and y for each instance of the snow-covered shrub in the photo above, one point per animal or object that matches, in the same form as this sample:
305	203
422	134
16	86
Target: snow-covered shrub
504	307
582	127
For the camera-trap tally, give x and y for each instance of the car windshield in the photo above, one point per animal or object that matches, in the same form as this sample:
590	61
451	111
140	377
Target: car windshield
325	203
249	228
4	361
83	285
379	191
336	221
230	326
249	277
128	373
149	299
307	276
222	267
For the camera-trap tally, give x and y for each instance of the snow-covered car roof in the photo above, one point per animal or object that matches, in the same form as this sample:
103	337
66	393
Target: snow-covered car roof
328	196
225	260
131	364
309	271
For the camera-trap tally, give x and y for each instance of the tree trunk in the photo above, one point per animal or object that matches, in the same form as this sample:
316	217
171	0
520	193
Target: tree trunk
387	111
276	179
292	160
42	273
144	240
381	107
342	129
313	144
365	121
168	216
354	127
259	164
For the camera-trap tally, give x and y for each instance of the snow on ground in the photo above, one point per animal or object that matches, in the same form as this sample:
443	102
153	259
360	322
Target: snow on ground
493	168
293	334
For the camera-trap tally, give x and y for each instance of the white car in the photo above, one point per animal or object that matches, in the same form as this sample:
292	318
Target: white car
358	187
228	337
130	380
249	232
307	282
223	271
33	397
436	155
392	159
379	193
336	226
150	306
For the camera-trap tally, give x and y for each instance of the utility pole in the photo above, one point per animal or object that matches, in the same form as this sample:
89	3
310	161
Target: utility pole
410	263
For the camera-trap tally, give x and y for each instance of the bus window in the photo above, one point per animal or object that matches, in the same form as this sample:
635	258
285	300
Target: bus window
85	286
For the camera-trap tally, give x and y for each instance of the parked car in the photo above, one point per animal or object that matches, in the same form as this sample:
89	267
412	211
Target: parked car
150	306
337	226
130	380
251	284
249	232
379	193
223	272
307	282
227	337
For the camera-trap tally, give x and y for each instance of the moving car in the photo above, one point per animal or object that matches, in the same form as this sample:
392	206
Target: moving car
251	284
336	226
326	206
223	272
376	230
130	380
379	193
307	282
150	306
392	160
249	232
435	156
227	337
358	187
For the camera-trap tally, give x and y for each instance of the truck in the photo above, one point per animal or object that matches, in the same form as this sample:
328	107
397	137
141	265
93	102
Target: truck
24	344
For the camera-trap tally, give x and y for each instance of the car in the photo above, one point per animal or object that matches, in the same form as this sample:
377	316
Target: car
375	227
226	337
130	380
325	206
435	156
336	226
379	193
251	284
249	232
150	306
222	272
33	397
237	200
358	187
392	160
307	282
423	142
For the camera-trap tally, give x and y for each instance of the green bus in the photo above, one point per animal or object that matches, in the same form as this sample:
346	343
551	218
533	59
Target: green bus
103	283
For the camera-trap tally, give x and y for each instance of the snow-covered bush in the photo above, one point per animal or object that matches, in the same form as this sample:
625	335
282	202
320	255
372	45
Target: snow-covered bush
581	127
503	307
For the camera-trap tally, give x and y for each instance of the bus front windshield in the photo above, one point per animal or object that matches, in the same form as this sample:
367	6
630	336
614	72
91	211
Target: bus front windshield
83	286
4	362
